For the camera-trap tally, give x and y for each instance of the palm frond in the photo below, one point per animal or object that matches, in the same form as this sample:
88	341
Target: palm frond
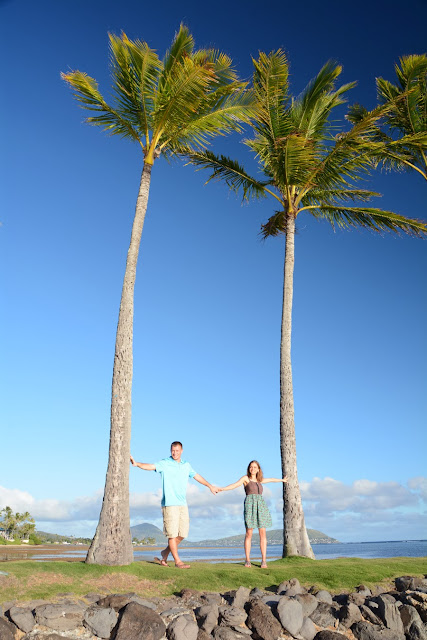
408	98
85	90
182	47
230	171
356	112
218	115
411	69
291	160
315	122
375	220
145	70
313	98
352	154
333	196
221	63
135	70
183	96
270	80
274	226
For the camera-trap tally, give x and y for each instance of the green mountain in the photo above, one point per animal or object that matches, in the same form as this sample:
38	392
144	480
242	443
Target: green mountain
147	530
56	537
274	536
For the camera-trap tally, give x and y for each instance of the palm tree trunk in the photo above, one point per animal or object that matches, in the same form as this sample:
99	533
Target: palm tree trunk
295	538
112	544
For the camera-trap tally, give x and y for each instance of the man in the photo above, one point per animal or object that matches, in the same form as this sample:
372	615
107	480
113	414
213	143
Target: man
176	523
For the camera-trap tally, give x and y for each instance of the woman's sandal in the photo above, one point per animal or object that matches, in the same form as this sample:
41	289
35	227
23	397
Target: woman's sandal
263	565
247	565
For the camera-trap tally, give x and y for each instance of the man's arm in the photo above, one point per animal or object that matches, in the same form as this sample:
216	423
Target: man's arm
200	479
143	465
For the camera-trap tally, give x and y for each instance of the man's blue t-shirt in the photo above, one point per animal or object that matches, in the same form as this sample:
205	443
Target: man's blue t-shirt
174	481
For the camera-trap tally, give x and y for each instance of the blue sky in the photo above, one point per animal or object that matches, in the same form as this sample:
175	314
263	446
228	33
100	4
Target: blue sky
208	290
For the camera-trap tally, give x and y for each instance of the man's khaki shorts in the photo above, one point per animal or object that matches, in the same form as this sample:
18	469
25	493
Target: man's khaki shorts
176	521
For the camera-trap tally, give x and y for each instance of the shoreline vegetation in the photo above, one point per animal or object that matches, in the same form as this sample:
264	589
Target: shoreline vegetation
23	580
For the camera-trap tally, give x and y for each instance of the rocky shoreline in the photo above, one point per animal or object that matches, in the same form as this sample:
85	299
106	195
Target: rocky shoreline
292	612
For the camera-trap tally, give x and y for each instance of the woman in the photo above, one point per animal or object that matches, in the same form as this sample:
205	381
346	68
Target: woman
256	511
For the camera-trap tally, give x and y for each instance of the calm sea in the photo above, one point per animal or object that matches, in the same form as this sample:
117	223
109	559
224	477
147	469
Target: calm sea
410	548
402	548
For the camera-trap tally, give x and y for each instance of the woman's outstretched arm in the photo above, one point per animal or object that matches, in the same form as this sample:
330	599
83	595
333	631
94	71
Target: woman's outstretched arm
285	479
239	483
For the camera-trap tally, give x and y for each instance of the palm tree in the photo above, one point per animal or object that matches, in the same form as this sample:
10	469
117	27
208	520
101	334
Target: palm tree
170	107
403	136
306	169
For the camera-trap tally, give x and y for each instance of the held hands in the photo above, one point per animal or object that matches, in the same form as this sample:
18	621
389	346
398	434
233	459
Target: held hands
133	461
213	489
285	479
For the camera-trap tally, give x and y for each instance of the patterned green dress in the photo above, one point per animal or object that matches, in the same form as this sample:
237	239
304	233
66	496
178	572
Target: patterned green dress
257	515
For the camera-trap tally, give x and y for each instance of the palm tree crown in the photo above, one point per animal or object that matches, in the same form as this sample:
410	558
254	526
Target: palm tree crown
307	165
403	137
169	106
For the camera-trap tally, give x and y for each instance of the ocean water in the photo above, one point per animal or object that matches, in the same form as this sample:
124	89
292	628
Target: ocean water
391	549
410	548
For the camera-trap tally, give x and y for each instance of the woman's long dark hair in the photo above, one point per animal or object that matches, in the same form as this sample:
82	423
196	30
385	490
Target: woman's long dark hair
259	475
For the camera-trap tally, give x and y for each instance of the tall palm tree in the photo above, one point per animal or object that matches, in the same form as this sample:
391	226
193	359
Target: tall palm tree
169	107
308	168
403	131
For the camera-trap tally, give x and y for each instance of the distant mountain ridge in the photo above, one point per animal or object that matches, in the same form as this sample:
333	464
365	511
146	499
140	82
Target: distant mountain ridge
275	536
58	538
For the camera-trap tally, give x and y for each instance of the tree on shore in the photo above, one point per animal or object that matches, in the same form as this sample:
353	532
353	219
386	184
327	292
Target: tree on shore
307	167
169	106
402	133
18	526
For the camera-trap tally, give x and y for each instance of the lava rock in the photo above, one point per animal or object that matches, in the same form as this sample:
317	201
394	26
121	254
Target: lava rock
100	620
139	622
23	618
207	616
408	583
60	617
183	628
326	615
324	596
290	587
262	622
118	601
241	597
7	630
365	631
290	614
389	613
232	616
308	629
308	602
349	614
329	635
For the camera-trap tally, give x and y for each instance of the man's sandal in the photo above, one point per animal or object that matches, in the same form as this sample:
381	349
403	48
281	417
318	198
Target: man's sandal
161	561
182	566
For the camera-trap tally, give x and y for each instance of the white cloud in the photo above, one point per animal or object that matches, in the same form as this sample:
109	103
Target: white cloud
81	508
419	485
328	496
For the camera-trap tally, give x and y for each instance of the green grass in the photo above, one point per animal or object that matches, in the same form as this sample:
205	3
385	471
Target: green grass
29	579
